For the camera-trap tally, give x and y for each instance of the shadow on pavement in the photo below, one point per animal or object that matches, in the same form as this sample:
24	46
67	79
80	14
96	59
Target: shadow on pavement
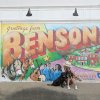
40	94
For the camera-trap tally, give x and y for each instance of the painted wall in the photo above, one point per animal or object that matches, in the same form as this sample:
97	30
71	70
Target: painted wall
50	16
34	3
26	47
53	14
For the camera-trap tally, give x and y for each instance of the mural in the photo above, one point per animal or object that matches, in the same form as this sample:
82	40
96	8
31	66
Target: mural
38	52
0	46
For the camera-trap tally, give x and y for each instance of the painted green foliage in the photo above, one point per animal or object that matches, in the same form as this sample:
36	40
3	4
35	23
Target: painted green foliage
86	58
53	56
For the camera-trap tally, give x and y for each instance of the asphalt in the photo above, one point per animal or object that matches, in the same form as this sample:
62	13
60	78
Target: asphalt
40	91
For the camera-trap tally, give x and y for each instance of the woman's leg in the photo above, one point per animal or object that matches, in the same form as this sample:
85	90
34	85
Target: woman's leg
74	83
68	83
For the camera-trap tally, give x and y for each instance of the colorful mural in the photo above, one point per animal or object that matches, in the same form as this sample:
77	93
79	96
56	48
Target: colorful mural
0	46
38	52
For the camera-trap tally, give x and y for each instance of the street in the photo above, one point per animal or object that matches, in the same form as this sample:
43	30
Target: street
40	91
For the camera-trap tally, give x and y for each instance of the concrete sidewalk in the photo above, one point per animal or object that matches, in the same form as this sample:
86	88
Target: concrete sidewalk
40	91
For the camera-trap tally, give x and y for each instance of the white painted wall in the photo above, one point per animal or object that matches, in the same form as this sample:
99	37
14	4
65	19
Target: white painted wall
33	3
15	10
50	14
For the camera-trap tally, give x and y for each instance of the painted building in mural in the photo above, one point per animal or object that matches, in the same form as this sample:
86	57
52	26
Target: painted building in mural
85	57
31	51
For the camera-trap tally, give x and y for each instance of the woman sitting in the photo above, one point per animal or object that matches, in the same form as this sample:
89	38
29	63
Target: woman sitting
67	77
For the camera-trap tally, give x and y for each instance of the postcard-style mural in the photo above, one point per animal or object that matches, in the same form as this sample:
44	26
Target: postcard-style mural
38	52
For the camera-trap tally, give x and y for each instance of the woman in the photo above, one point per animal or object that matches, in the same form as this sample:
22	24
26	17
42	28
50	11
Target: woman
47	72
67	76
70	77
57	72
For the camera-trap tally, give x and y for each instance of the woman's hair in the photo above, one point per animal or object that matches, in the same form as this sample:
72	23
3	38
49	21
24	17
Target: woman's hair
49	63
66	67
45	64
59	67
